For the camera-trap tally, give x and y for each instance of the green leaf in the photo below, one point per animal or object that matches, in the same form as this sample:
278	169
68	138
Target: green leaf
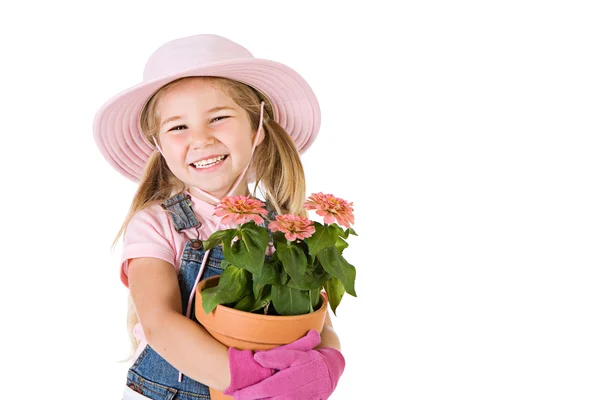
235	283
233	286
210	299
250	303
335	291
348	232
288	301
278	237
246	303
333	262
269	275
339	231
324	236
225	235
314	278
284	278
341	244
292	258
262	302
315	299
248	251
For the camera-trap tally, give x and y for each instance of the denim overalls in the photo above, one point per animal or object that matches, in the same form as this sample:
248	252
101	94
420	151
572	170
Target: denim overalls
151	375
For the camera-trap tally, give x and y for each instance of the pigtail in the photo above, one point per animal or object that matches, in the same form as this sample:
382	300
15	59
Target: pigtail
279	170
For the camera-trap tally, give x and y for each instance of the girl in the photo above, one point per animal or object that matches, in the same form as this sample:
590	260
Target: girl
207	121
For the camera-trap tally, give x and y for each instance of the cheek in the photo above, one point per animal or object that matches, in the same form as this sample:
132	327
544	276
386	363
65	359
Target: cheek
236	140
244	137
174	141
242	147
174	146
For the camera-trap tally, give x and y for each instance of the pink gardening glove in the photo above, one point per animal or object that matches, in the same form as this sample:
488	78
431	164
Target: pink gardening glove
301	375
245	371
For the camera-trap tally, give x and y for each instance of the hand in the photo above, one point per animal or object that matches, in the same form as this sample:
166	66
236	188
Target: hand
301	374
246	371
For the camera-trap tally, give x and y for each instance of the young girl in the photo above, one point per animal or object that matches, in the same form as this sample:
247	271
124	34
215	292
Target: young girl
207	121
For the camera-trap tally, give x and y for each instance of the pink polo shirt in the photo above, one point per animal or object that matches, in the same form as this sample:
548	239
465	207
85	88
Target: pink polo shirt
151	233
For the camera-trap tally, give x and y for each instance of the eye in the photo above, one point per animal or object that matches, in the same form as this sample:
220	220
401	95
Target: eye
216	119
178	128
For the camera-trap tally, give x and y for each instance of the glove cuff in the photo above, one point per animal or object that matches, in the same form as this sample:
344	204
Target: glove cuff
335	364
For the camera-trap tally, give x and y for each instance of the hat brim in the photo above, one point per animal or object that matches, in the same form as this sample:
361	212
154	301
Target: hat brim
119	137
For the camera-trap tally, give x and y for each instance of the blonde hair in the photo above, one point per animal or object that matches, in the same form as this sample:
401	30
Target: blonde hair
276	164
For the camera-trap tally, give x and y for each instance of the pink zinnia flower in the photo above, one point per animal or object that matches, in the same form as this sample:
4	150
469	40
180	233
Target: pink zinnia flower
293	226
240	209
331	208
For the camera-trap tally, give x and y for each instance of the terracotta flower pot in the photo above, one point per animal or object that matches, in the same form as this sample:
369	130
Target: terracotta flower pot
250	331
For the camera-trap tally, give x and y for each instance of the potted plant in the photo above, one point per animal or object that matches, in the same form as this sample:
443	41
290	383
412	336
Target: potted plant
281	294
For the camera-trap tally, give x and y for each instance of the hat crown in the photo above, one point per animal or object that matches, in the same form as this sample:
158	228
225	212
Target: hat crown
192	52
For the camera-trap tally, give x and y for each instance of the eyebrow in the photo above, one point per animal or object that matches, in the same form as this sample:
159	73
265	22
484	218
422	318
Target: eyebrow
220	108
214	109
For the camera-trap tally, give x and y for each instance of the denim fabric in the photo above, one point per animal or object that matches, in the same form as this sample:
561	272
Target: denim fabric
181	212
151	375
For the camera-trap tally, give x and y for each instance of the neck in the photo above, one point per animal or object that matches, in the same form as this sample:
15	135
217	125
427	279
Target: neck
214	198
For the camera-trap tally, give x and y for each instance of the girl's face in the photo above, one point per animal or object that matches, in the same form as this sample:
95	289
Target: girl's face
206	138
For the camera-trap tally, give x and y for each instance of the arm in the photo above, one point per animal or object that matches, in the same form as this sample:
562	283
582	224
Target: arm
328	336
179	340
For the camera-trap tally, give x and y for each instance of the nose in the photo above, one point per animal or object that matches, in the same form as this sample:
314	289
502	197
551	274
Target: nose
201	136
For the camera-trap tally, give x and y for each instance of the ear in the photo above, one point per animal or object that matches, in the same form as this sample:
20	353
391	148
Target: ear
261	135
264	118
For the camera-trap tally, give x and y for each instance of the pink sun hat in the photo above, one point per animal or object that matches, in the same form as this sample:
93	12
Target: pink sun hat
117	130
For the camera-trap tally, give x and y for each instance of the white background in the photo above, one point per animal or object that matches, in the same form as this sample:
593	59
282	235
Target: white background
465	133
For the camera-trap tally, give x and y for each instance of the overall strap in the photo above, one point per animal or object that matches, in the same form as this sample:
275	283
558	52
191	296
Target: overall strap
181	211
271	214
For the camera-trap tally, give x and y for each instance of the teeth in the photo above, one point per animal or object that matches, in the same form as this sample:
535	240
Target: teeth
208	162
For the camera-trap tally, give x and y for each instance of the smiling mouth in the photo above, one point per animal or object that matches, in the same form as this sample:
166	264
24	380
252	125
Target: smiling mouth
209	162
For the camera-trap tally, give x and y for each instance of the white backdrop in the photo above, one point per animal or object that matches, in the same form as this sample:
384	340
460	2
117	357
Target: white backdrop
465	133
